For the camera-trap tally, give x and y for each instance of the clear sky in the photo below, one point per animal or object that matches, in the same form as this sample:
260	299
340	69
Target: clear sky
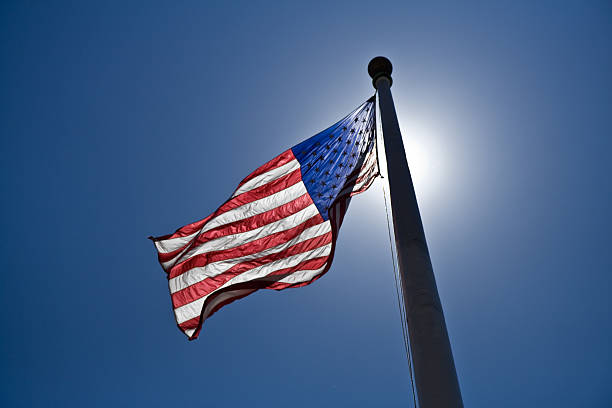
120	120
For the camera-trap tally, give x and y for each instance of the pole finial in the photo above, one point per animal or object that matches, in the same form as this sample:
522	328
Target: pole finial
380	67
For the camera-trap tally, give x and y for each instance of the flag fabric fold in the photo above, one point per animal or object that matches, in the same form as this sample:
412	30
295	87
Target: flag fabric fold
278	229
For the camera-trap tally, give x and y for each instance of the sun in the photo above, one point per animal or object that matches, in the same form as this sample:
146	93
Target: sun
426	158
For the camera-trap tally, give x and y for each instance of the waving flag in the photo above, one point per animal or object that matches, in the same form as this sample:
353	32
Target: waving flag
279	228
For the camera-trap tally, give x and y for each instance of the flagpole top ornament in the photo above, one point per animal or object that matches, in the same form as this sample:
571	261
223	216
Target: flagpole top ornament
380	67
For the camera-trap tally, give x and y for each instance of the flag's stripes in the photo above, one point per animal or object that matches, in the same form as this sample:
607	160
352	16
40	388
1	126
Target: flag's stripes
172	245
187	230
360	181
278	186
230	241
265	178
252	248
245	211
184	235
308	272
259	192
212	269
279	161
275	272
258	206
366	182
211	282
194	309
231	231
276	231
297	278
256	221
338	211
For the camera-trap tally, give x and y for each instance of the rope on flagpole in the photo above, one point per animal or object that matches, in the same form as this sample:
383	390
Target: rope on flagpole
400	293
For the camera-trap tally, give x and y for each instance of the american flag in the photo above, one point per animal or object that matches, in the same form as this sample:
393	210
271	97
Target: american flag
279	228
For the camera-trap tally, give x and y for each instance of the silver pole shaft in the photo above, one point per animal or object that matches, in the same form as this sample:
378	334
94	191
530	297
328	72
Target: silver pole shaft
434	368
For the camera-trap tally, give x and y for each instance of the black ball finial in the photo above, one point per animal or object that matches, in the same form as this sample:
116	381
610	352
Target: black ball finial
379	67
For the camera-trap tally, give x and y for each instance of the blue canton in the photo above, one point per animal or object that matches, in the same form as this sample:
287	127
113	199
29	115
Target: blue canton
330	159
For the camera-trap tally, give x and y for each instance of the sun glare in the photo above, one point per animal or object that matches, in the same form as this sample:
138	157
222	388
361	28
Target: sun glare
425	156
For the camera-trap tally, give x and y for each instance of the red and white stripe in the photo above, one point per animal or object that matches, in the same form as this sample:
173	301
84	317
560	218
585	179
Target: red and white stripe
268	235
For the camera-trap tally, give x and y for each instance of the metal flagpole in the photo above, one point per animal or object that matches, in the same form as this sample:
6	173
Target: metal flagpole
434	368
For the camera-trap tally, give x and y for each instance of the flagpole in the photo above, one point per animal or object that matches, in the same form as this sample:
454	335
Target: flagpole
434	369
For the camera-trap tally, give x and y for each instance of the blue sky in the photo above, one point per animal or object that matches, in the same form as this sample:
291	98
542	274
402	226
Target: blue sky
121	120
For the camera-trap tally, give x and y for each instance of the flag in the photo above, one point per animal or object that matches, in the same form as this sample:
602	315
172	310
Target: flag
278	230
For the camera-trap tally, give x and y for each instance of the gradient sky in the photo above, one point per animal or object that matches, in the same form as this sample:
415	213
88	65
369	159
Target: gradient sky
121	120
